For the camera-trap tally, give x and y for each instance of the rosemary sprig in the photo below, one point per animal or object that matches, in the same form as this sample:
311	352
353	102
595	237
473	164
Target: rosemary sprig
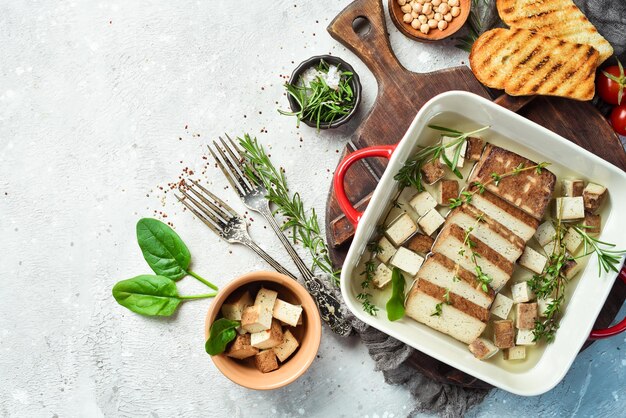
608	259
411	175
319	102
303	224
495	178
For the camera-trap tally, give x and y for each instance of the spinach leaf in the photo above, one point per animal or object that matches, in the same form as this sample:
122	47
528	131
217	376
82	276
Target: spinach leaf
164	251
148	295
222	332
395	304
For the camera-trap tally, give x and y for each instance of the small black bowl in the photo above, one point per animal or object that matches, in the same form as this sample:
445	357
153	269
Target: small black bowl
355	83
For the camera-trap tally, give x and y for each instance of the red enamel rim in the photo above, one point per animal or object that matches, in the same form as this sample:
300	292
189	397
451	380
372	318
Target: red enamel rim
354	216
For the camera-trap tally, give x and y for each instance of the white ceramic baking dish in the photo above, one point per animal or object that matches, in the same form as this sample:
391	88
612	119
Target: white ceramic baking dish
538	144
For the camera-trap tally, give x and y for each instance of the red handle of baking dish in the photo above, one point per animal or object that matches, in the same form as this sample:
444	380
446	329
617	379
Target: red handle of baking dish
597	334
351	213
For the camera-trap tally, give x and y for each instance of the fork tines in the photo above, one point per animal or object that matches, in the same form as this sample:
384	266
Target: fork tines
210	209
238	172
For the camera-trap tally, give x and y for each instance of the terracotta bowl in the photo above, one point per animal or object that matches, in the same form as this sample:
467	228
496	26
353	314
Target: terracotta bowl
244	372
434	34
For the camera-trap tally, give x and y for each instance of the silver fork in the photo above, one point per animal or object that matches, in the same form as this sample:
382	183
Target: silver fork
223	220
244	179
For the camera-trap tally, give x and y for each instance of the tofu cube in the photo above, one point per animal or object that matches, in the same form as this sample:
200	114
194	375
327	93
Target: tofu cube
266	298
268	338
386	250
593	197
542	305
449	151
256	319
568	208
432	171
593	224
233	308
550	248
525	315
573	187
501	306
400	229
545	233
382	276
482	348
474	148
572	240
287	348
521	292
570	268
514	353
431	221
533	260
422	203
266	361
446	190
407	260
286	312
241	348
525	337
420	243
503	333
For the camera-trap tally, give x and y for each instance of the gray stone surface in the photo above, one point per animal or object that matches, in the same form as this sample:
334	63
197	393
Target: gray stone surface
94	101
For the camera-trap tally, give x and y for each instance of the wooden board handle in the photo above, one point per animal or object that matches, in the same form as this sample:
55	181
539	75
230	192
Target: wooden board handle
370	44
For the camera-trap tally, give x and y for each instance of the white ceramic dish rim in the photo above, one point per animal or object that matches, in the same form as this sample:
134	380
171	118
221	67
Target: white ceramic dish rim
590	293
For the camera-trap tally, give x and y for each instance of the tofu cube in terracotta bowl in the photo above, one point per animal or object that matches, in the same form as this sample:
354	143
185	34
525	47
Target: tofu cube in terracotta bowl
279	330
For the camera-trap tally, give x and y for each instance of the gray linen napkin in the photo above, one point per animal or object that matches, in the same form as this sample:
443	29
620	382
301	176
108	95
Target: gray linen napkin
389	354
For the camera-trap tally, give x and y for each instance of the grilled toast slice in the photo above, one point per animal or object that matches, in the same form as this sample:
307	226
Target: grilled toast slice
528	190
524	63
554	18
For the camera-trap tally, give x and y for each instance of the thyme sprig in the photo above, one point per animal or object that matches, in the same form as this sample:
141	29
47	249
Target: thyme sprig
303	224
411	172
483	279
495	178
439	306
370	269
608	258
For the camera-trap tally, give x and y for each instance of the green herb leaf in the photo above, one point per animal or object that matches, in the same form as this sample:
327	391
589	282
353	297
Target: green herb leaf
164	251
438	309
221	333
395	304
148	295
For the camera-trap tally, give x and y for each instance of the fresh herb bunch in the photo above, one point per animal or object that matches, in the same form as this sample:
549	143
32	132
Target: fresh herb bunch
304	225
495	178
608	258
411	172
318	101
168	256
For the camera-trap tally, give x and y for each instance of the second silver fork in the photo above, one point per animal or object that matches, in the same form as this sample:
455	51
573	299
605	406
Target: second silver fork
253	194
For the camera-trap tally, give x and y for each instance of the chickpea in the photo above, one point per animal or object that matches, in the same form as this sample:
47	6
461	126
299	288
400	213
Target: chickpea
421	1
438	17
407	18
432	23
431	15
428	7
414	14
417	7
424	28
453	3
406	8
436	3
448	17
416	24
442	24
443	8
423	19
455	11
401	2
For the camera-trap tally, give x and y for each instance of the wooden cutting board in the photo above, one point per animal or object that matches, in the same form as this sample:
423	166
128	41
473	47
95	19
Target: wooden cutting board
401	93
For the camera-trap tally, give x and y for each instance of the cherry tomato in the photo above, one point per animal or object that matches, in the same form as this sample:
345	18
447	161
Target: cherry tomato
618	119
610	83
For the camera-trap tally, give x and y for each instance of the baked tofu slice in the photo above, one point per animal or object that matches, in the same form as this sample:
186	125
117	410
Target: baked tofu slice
459	322
528	190
516	220
489	231
443	272
451	240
